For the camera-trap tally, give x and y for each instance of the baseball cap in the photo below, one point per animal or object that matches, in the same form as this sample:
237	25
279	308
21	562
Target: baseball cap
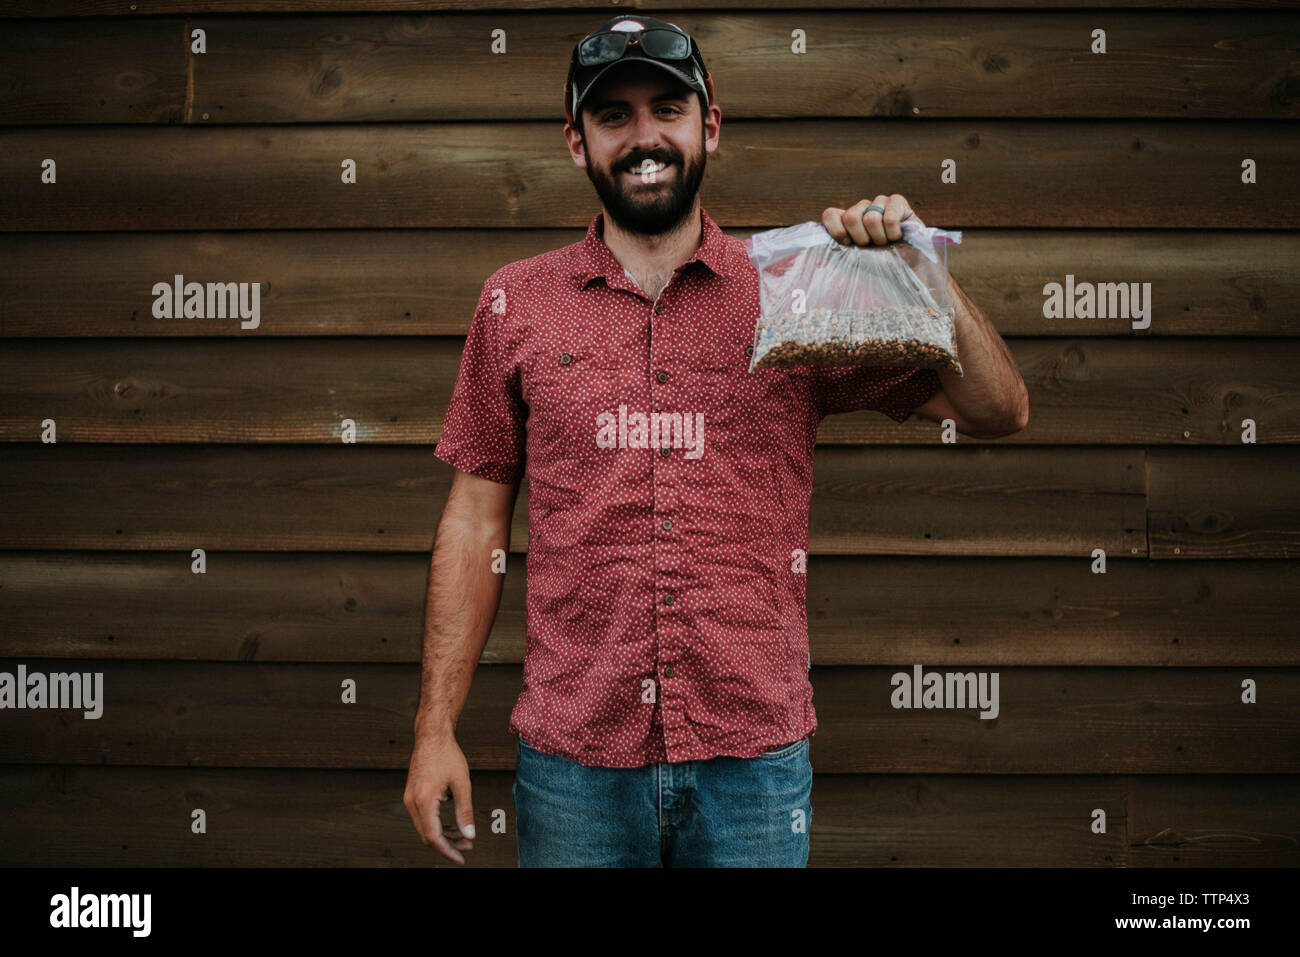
582	78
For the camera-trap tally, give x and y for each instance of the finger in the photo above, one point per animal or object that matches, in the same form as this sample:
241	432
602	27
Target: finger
439	839
853	222
417	816
896	210
457	837
833	220
910	216
873	221
464	809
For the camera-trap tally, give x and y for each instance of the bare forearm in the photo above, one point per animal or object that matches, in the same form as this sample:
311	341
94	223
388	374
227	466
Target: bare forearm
992	390
463	595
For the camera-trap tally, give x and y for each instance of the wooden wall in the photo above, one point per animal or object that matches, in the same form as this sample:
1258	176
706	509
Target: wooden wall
1119	691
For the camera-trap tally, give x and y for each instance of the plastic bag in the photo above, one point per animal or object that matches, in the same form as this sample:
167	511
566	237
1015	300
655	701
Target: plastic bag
822	303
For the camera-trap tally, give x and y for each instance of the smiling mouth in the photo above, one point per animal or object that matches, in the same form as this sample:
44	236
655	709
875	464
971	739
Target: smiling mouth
648	168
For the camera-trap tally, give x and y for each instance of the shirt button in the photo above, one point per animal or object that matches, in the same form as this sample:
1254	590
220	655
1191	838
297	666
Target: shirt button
668	598
749	350
662	377
658	309
668	671
665	451
666	524
565	359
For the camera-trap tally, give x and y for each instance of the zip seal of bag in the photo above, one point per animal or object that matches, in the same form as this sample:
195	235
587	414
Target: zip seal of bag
775	246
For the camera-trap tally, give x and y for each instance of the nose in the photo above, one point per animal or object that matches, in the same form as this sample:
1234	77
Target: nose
646	138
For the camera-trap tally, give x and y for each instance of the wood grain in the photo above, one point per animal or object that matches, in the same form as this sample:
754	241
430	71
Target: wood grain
1103	392
887	63
1020	173
131	71
862	610
1051	720
941	501
420	282
104	8
1223	502
59	816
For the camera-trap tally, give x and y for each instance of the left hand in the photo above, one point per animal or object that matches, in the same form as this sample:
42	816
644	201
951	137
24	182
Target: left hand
858	226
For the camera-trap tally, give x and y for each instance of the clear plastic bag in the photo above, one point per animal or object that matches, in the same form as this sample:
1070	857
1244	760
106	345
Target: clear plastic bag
822	303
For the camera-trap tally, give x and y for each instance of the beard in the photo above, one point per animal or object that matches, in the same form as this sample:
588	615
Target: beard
654	207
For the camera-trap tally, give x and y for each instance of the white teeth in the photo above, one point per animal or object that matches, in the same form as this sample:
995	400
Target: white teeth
649	166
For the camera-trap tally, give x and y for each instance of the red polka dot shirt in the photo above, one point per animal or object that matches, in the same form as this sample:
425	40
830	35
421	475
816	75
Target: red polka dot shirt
668	492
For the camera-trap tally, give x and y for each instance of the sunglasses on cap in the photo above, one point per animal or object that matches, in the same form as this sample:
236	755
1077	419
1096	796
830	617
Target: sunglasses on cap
658	42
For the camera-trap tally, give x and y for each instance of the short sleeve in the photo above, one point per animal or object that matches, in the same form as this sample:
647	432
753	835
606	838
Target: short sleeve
483	431
896	392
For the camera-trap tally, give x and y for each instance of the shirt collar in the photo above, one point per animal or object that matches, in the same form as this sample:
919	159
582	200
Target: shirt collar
592	258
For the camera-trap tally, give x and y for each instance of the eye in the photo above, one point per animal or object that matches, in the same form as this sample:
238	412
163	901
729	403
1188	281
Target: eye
614	115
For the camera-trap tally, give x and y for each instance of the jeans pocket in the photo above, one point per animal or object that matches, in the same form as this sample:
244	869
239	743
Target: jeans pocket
785	751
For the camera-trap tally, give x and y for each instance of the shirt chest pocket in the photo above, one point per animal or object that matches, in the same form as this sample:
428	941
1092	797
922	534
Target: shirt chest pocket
573	398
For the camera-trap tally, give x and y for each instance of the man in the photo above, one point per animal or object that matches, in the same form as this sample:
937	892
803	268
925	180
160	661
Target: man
666	707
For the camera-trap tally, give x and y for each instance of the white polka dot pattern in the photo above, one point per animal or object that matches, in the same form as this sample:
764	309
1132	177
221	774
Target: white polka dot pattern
666	611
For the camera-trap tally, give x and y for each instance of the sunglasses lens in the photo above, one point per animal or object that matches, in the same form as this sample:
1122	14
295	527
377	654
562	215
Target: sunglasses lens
602	48
607	47
665	44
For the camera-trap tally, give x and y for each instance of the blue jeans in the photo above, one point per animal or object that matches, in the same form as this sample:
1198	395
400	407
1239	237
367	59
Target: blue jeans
724	812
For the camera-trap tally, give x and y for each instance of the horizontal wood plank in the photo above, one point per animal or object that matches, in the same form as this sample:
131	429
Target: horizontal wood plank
139	817
1018	173
1212	822
105	8
255	606
1130	392
396	391
857	63
427	282
126	71
1230	503
1050	721
944	501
